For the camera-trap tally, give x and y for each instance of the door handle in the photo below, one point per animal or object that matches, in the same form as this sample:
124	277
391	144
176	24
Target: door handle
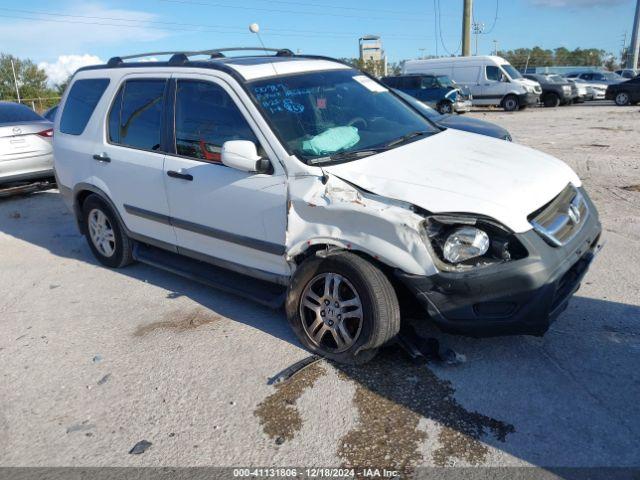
102	158
180	175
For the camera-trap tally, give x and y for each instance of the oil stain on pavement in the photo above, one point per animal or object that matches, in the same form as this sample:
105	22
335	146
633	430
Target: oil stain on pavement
179	321
392	395
278	413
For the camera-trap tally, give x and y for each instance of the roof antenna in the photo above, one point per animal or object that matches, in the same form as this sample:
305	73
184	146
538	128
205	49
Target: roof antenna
255	28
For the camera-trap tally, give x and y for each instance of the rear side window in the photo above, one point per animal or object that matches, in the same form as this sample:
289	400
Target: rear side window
16	113
80	104
206	117
135	119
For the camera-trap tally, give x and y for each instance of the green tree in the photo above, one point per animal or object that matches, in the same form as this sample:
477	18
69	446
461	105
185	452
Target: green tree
539	57
32	81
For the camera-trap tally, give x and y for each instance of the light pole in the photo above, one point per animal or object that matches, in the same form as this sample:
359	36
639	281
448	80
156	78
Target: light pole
632	57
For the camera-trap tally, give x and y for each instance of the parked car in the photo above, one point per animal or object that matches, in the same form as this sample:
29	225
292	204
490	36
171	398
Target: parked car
598	90
464	123
491	80
50	114
555	91
628	73
299	181
26	152
437	91
602	78
584	91
625	93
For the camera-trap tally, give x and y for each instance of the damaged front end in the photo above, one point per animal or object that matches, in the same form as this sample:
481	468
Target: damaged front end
470	274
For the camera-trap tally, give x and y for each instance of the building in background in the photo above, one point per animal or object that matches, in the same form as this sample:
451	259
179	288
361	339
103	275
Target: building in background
372	54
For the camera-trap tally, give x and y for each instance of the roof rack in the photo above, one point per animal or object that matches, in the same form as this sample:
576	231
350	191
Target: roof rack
181	57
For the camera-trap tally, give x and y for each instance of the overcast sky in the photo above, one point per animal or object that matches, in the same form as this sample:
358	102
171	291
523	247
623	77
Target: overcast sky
65	34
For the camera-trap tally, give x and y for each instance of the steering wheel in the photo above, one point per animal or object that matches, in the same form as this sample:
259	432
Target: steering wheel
355	120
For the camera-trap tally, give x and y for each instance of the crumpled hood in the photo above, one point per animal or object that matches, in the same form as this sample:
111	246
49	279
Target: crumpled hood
460	172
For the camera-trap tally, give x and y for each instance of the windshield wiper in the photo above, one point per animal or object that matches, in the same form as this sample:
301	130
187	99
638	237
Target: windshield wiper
406	138
349	155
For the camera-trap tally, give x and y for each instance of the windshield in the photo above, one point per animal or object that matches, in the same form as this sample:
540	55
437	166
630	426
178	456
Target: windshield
556	79
513	73
446	81
613	77
429	112
324	113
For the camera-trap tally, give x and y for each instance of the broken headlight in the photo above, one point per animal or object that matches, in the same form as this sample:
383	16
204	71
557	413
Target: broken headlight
460	242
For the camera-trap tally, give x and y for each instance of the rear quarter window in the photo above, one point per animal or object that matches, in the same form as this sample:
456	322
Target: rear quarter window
81	102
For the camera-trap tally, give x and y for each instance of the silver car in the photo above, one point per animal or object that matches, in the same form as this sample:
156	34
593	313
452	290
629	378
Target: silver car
26	151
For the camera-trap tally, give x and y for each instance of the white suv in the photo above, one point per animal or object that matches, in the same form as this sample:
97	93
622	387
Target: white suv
299	181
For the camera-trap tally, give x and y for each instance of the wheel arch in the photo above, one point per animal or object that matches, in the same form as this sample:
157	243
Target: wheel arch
80	194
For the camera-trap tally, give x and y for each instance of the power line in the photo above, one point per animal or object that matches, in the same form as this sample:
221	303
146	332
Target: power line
272	10
495	18
201	27
440	33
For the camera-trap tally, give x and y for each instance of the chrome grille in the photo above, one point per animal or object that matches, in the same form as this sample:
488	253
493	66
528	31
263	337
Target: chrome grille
558	221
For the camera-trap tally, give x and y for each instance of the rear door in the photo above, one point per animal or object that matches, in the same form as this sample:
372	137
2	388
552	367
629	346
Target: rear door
221	213
129	161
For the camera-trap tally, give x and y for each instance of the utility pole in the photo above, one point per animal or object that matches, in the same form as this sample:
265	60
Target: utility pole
478	28
632	57
15	80
495	47
422	50
466	27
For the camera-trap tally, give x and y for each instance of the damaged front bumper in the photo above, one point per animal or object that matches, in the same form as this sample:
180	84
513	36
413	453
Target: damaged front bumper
521	297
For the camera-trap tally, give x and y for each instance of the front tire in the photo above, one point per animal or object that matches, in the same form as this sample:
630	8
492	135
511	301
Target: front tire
342	307
510	103
551	100
105	234
445	108
622	99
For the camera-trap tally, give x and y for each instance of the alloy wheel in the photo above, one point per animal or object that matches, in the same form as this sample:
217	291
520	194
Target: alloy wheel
101	233
331	312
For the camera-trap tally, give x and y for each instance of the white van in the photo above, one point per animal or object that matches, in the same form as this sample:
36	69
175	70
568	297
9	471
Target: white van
491	80
298	181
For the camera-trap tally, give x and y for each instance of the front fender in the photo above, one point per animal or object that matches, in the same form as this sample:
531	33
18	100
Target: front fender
337	213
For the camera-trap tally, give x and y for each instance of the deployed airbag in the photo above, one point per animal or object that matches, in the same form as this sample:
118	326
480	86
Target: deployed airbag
331	141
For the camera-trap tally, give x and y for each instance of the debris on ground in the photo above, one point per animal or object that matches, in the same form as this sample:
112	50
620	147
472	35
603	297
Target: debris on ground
452	358
632	188
104	379
15	215
97	359
290	371
140	447
25	188
421	350
80	427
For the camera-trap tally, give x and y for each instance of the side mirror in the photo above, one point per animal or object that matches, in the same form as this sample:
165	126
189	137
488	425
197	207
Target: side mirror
243	155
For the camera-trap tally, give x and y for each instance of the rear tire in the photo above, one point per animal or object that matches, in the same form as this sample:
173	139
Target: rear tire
510	103
623	99
105	234
551	100
342	307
